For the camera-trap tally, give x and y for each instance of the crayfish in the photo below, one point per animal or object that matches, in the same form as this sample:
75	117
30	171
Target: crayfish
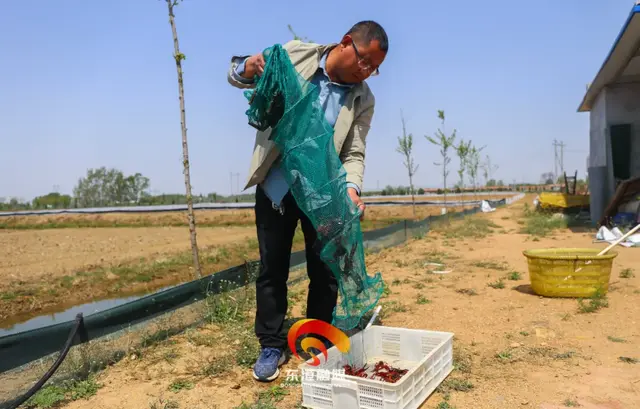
361	373
381	370
388	373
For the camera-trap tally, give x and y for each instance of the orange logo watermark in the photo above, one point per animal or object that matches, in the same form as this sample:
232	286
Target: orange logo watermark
312	326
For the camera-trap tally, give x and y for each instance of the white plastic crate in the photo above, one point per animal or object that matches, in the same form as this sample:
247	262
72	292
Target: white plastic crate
428	355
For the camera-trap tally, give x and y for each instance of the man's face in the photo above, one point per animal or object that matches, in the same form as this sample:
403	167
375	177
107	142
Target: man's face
357	61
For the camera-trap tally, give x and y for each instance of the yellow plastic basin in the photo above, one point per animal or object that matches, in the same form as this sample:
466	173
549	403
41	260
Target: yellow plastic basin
553	271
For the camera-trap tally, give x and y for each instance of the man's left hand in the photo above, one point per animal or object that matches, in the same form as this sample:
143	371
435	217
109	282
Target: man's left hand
353	194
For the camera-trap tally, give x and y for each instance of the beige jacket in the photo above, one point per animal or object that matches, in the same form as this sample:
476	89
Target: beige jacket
351	128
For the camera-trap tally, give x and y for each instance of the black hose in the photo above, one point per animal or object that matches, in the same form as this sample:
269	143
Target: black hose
67	346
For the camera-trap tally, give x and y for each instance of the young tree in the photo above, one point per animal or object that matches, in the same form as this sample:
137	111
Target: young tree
473	165
405	147
178	57
462	149
445	143
488	169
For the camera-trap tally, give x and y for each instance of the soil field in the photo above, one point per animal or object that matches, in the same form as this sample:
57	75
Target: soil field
512	349
49	254
450	197
205	218
48	270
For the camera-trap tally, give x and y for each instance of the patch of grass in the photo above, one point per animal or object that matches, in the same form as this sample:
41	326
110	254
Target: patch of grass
453	384
504	355
161	404
615	339
217	366
386	291
54	395
514	276
224	308
421	299
418	286
401	263
467	291
170	356
540	224
84	389
472	227
434	257
497	284
445	405
267	399
181	384
66	281
396	282
391	306
275	393
47	397
627	273
628	360
490	265
462	361
7	296
248	352
155	338
524	333
596	302
570	403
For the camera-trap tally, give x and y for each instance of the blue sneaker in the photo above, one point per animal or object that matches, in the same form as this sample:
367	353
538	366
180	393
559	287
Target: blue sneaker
267	366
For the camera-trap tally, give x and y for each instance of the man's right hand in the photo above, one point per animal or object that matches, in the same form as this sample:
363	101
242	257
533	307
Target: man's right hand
253	66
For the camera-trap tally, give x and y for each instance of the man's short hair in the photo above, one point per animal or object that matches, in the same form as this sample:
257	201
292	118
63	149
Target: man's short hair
367	31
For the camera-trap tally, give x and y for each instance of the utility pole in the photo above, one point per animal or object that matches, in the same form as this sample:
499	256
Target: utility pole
558	160
555	160
562	145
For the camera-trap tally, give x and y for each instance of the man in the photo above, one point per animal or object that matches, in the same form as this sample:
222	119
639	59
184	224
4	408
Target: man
339	70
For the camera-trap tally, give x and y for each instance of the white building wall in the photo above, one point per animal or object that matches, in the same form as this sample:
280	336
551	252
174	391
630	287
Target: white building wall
598	132
623	107
616	105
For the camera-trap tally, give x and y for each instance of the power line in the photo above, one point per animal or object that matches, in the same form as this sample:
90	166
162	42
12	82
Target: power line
558	160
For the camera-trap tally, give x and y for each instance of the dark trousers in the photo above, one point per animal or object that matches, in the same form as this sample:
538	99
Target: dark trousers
275	238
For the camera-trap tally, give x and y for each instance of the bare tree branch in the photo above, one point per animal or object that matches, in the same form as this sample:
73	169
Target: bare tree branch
179	57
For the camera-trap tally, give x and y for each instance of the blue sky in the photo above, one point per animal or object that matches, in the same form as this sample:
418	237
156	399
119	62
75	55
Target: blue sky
92	83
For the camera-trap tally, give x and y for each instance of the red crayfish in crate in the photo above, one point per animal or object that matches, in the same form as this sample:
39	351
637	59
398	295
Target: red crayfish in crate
381	371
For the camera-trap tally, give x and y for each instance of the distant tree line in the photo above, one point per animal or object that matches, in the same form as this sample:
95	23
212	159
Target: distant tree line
406	190
103	187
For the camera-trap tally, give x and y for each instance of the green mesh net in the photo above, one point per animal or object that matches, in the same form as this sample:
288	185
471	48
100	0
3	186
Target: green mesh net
286	102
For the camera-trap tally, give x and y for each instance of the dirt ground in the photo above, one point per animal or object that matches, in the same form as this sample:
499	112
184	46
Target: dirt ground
512	349
46	254
39	254
210	218
47	270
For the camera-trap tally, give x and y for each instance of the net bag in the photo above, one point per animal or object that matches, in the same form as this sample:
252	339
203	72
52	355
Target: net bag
288	104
